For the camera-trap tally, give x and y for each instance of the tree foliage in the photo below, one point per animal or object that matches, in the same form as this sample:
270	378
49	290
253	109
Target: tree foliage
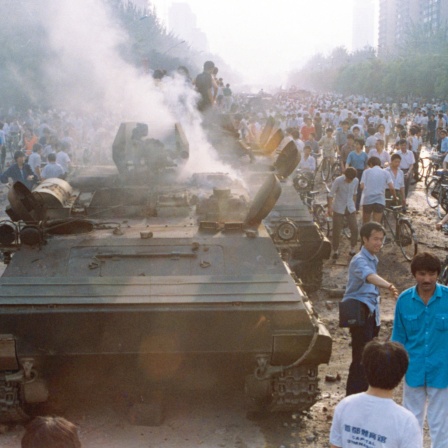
26	51
419	68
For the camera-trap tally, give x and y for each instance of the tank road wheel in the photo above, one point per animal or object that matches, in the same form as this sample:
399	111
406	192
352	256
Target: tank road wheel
310	273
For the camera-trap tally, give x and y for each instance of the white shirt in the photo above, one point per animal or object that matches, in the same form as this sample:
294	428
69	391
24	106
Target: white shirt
407	159
52	170
364	420
308	164
374	182
384	156
34	160
63	159
398	180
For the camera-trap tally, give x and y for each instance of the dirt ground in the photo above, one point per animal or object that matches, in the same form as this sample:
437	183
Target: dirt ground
210	418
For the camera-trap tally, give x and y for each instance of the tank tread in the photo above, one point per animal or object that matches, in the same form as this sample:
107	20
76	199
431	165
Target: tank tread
294	390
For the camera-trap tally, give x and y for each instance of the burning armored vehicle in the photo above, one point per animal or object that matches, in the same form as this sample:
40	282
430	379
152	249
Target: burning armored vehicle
137	268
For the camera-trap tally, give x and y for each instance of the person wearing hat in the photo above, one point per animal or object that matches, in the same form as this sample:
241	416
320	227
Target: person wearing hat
19	171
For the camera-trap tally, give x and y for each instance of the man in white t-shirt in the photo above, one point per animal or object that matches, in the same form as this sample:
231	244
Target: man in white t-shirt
372	418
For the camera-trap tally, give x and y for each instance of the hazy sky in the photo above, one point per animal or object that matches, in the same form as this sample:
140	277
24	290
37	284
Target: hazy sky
264	39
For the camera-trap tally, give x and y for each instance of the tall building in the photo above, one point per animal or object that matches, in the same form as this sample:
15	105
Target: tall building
183	22
141	4
434	14
363	24
397	16
386	27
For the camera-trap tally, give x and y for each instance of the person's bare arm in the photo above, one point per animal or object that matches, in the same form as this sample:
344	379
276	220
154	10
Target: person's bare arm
442	222
376	280
392	190
403	198
330	206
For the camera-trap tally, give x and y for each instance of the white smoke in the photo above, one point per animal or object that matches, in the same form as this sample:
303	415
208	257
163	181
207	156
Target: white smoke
94	78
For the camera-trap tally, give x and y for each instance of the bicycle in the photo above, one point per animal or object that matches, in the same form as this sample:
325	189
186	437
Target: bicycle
433	189
317	211
431	165
402	232
443	277
336	168
442	200
325	168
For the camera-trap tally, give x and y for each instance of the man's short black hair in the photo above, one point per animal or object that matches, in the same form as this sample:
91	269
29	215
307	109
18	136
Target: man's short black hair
52	157
426	261
374	161
367	229
37	147
385	364
395	157
208	65
350	173
18	154
50	432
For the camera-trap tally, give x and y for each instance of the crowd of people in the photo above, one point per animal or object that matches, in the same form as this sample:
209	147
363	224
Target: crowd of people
377	145
36	145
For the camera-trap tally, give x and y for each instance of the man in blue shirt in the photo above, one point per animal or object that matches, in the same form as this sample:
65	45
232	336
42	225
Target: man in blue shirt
358	160
421	325
19	171
443	141
363	284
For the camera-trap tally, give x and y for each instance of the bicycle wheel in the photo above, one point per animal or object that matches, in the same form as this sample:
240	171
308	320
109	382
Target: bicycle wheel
336	170
420	172
432	192
320	217
406	239
429	173
442	202
443	277
325	169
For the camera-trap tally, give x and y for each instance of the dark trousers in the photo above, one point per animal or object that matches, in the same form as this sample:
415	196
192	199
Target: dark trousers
356	381
407	182
359	192
338	225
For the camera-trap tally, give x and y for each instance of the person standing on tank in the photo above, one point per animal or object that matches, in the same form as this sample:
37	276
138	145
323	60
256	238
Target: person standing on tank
206	85
364	285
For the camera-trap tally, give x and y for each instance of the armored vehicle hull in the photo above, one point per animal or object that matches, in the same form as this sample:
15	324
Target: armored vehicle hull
167	283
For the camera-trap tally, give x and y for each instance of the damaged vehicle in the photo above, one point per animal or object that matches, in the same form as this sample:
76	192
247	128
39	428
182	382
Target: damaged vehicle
134	270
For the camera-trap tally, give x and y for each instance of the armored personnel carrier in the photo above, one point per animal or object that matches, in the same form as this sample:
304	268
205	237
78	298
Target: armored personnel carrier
300	240
131	266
